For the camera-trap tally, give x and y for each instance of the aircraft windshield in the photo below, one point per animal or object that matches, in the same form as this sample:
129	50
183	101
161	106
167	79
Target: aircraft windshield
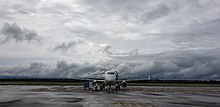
110	73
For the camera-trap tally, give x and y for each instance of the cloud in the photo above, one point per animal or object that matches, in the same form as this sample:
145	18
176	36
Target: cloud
155	14
107	49
176	65
61	70
19	34
83	47
75	47
173	65
9	8
65	46
167	39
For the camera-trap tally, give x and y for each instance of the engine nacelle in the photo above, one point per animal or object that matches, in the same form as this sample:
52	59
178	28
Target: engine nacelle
124	84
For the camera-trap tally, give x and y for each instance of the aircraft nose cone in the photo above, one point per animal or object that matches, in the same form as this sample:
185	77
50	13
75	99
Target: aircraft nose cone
110	77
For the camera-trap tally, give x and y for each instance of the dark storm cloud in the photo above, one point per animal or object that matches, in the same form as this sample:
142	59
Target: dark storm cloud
167	39
174	21
174	65
159	12
178	65
134	11
61	70
19	34
65	46
34	70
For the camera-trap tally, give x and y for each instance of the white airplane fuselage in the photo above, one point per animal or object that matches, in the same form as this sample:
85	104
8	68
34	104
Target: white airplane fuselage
110	77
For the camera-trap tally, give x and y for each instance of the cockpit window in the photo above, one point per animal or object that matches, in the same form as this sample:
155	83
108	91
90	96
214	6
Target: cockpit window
110	72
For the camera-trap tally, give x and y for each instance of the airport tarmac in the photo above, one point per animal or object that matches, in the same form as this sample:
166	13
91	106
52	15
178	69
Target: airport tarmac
139	96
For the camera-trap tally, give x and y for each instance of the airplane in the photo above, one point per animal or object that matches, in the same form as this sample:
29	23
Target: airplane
111	78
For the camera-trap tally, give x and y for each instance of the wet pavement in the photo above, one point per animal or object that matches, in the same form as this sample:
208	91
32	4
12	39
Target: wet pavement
75	96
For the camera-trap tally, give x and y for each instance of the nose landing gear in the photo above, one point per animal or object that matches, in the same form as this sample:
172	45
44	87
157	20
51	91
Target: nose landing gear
117	86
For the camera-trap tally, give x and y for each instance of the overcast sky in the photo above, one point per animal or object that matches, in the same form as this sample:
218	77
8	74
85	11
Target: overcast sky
168	39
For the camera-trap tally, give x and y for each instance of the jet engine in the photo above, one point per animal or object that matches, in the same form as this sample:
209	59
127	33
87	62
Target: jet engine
124	84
